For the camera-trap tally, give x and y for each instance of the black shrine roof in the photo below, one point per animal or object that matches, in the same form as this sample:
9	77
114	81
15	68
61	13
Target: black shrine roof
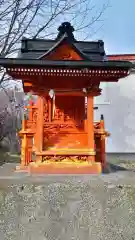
92	53
35	48
18	62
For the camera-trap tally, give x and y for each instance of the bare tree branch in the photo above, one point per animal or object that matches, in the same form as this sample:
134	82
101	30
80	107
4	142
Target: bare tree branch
40	18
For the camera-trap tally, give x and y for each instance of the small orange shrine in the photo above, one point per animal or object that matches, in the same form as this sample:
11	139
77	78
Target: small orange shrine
60	135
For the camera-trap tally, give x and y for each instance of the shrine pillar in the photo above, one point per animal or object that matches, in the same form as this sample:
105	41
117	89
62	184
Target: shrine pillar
102	142
39	128
90	127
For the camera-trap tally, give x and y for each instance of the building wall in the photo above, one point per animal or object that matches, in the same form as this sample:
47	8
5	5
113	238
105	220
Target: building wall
119	114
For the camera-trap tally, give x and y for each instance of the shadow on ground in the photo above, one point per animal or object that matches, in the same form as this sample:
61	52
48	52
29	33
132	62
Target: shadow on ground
111	167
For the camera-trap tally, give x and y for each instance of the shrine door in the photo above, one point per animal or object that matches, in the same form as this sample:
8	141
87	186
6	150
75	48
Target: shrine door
64	123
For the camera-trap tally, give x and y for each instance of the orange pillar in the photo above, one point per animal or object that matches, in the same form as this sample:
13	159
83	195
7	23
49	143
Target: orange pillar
30	111
90	128
102	142
39	128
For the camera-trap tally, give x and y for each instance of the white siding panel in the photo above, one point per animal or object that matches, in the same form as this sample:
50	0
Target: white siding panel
119	114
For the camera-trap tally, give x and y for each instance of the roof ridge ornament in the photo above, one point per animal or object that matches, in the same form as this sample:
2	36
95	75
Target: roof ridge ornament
66	29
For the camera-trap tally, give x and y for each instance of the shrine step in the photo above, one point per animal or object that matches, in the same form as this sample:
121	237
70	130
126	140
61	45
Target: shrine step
63	152
65	168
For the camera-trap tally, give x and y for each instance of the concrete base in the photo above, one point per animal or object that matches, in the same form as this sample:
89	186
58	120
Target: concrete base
62	168
21	168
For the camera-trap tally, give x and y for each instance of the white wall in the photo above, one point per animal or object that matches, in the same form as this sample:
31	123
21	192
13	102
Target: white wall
119	114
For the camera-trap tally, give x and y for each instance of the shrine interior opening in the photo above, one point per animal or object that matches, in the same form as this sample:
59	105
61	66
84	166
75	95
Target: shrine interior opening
62	77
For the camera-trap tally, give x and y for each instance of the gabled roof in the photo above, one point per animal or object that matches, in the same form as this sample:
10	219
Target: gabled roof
122	57
35	52
65	39
36	48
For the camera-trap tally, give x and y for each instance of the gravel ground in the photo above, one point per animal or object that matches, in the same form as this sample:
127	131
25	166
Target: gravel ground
90	207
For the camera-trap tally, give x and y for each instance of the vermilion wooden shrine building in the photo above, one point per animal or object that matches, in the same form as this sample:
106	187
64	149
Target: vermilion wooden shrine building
60	135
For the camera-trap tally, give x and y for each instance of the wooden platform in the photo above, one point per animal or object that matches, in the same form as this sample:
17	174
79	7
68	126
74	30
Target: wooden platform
63	168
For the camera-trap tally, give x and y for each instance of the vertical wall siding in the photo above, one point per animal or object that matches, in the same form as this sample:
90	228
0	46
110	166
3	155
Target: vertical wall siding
119	114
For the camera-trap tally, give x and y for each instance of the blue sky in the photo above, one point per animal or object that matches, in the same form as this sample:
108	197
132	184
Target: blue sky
118	31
